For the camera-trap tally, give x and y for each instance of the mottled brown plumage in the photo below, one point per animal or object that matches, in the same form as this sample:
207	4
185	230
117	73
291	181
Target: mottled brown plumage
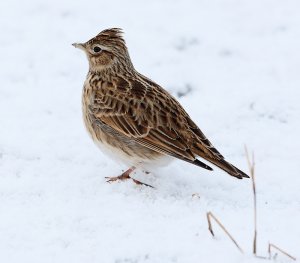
134	118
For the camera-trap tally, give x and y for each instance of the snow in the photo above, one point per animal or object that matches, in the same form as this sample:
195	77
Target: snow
238	62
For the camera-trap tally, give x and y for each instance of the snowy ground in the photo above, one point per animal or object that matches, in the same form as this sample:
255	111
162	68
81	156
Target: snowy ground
239	62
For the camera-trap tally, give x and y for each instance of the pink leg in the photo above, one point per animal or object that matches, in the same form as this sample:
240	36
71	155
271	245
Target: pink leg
125	176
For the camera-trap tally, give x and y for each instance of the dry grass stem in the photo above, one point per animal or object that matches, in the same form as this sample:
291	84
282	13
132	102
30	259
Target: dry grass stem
271	246
280	250
251	165
210	215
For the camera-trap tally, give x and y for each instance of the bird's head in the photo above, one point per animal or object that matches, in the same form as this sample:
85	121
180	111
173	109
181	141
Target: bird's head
106	50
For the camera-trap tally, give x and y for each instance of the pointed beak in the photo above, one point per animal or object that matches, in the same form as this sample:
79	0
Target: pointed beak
79	45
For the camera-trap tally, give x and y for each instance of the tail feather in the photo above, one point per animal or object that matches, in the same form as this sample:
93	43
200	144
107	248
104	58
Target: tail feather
228	167
198	163
201	164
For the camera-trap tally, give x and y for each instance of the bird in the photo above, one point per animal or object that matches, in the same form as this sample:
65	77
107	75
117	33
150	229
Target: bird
135	120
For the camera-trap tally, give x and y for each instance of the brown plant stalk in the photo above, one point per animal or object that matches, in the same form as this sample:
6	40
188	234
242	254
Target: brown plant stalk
251	165
210	215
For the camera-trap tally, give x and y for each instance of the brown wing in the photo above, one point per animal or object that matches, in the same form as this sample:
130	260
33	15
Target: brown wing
140	109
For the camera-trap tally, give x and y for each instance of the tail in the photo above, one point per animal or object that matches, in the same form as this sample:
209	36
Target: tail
228	167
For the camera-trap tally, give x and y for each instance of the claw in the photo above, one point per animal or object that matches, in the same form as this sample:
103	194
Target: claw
125	176
121	177
140	183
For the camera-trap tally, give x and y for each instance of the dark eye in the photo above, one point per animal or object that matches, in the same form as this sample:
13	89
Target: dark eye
97	49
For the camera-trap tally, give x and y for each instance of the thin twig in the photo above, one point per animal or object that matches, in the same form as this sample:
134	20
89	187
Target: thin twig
210	215
280	250
251	165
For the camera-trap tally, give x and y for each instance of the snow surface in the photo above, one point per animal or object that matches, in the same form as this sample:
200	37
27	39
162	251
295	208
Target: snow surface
238	61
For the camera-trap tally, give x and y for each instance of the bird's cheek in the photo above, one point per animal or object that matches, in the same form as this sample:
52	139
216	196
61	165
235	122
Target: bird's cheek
100	60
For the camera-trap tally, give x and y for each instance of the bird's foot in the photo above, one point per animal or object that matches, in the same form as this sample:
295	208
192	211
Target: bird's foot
140	183
121	177
126	176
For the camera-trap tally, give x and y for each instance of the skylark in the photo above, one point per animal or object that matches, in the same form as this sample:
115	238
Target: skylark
134	119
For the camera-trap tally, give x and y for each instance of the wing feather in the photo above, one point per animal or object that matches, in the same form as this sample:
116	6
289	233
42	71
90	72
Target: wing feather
142	110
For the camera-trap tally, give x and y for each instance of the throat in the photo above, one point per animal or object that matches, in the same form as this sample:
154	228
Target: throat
112	70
